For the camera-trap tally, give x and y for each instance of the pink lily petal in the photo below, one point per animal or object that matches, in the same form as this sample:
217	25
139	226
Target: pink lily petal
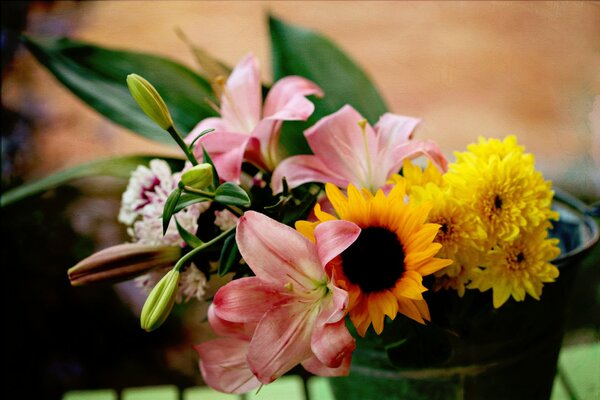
224	367
241	102
281	340
209	123
276	253
229	329
333	237
314	366
416	148
393	130
226	149
266	154
338	141
331	343
287	99
246	300
302	169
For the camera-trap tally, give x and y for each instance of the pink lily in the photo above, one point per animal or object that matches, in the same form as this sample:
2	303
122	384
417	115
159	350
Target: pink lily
348	150
223	361
298	312
247	129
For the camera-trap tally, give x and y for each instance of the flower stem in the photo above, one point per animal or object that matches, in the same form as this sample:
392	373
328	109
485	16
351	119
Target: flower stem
183	260
177	137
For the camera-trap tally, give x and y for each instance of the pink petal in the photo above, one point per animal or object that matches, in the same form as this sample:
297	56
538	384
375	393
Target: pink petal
276	253
266	154
226	149
242	100
338	141
224	367
287	99
281	340
314	366
229	329
416	148
246	300
332	343
333	237
208	123
302	169
393	129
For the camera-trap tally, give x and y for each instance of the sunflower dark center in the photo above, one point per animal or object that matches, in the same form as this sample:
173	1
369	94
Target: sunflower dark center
520	257
375	261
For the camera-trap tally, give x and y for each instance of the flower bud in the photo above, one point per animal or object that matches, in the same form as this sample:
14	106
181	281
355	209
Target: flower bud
149	101
122	262
199	176
160	301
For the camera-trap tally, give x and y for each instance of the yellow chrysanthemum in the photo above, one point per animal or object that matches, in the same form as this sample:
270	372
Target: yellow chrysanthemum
503	187
462	235
413	175
520	267
383	269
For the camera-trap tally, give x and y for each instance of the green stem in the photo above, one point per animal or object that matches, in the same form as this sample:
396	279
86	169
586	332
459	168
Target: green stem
180	142
199	191
183	260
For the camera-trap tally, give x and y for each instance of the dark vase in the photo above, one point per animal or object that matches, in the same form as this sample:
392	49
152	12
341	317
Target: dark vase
471	350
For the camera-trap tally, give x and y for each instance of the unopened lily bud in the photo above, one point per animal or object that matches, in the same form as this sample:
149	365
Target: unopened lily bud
160	301
199	176
149	101
122	262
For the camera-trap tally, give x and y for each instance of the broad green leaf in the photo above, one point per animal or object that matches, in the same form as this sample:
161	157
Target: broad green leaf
191	239
120	167
230	255
169	209
187	199
299	51
98	75
231	194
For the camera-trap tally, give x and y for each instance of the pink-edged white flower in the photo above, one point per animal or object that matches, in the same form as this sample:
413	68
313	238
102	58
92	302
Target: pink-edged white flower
348	150
247	129
225	219
143	202
295	311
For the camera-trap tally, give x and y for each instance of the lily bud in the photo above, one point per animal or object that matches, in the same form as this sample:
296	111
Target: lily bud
160	301
199	176
149	101
122	262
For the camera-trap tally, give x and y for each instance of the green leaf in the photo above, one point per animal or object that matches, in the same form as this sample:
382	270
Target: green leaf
120	167
232	195
230	255
191	239
169	209
187	199
206	158
298	51
98	75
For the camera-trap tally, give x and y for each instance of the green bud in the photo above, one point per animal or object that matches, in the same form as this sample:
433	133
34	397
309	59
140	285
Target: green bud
149	101
160	301
122	262
199	176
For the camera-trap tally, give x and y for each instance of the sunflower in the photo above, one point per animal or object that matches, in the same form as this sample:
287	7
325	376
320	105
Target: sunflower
384	268
503	187
520	267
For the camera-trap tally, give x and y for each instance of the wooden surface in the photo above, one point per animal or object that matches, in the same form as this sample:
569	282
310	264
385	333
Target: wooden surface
466	68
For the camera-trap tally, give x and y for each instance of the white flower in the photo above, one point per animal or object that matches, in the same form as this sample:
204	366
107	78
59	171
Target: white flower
143	202
225	219
192	284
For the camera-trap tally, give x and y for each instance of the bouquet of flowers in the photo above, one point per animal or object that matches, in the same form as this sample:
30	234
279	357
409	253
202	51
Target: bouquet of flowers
326	218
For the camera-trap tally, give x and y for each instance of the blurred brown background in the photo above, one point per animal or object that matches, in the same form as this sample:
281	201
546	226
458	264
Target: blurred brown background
467	68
